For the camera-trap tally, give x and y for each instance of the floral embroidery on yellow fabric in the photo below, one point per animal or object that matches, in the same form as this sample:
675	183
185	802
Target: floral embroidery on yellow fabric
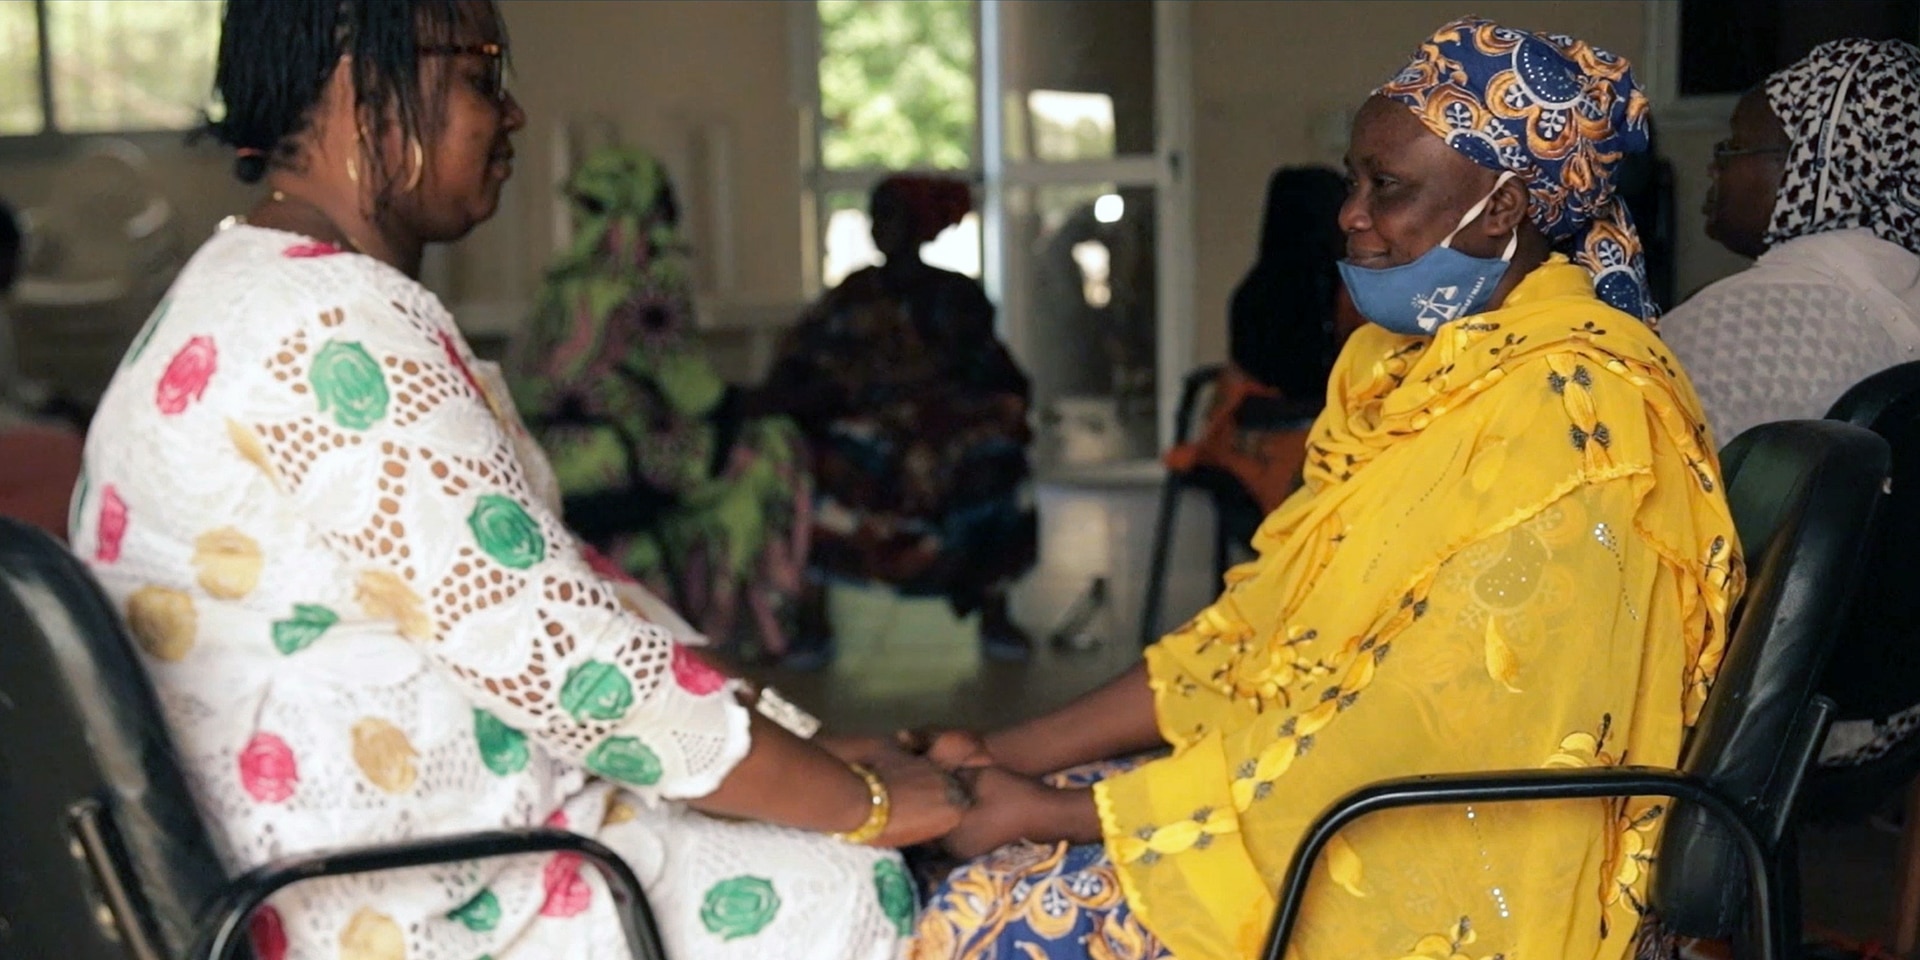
1509	551
1448	946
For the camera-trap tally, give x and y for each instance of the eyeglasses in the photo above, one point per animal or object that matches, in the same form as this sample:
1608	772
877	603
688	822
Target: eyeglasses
1725	150
496	82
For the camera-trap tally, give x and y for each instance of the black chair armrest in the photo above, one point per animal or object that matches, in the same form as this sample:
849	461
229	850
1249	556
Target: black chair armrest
1199	379
225	925
1520	785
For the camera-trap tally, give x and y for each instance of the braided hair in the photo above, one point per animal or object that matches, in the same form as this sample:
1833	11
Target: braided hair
277	55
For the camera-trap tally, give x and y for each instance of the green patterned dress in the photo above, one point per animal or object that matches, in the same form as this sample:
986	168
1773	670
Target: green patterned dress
661	467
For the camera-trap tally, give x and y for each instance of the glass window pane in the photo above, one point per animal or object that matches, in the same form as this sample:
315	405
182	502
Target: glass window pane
1088	284
131	64
19	69
1080	79
1070	126
849	240
896	83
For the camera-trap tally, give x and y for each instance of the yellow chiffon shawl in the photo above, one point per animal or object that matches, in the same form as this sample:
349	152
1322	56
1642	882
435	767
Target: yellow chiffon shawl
1511	551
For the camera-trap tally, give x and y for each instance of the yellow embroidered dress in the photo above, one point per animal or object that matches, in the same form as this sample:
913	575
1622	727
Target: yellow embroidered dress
1511	551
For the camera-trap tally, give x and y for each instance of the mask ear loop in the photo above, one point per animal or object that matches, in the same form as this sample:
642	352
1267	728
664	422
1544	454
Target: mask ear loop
1473	212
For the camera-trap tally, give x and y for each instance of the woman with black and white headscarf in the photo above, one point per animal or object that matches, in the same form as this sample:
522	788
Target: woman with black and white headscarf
1820	180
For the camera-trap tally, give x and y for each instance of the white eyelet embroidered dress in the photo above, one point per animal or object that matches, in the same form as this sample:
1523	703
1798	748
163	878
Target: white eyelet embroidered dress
342	560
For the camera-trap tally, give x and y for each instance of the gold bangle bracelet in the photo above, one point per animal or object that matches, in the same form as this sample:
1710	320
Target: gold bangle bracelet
877	815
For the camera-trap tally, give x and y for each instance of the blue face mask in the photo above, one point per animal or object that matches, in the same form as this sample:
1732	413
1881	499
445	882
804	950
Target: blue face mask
1439	286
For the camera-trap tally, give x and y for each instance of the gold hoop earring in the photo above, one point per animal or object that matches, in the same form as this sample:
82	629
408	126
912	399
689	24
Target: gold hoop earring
419	165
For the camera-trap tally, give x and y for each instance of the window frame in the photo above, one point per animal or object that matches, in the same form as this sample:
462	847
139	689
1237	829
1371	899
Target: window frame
51	142
1659	74
994	174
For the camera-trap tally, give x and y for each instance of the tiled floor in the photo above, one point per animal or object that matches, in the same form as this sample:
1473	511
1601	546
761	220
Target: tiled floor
913	664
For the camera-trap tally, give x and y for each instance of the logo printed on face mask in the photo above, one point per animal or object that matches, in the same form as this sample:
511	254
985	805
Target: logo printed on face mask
1437	287
1445	304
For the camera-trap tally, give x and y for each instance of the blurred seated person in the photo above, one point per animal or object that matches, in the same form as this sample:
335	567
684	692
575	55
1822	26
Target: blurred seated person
1286	323
39	458
917	416
661	468
1511	551
1817	179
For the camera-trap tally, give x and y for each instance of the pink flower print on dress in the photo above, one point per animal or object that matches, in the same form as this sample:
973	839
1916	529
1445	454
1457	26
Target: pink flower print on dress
112	526
310	249
186	377
269	935
567	891
267	769
693	674
557	820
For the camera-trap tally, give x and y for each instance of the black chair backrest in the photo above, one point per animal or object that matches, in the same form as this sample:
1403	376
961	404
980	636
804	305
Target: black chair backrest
1803	495
1875	671
86	770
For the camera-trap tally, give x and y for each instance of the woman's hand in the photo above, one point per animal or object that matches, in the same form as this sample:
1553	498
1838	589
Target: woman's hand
927	802
1009	808
950	749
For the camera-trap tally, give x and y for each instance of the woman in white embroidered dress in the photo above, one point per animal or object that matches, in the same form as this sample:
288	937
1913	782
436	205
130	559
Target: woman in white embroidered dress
338	551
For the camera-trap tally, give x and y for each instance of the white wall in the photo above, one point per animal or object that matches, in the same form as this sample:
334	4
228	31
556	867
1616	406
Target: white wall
1268	77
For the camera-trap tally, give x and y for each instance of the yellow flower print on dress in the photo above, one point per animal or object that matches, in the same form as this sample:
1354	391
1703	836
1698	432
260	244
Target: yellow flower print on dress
1584	749
384	755
227	563
371	935
163	622
1629	858
248	445
1450	945
384	596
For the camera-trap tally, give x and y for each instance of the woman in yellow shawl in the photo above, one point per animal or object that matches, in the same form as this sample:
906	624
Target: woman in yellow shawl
1511	550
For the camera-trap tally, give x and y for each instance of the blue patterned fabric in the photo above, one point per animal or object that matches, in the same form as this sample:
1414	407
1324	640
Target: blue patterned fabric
1560	114
1035	902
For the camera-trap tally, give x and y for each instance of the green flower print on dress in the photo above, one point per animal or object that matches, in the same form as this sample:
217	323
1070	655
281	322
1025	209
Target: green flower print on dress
502	748
297	632
480	914
348	383
596	690
627	760
895	891
739	907
506	532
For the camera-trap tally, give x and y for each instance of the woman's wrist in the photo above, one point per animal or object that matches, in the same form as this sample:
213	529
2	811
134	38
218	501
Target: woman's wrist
876	808
1004	746
1071	815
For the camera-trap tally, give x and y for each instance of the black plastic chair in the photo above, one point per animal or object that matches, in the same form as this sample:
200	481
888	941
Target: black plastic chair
1803	496
1875	672
1236	515
102	853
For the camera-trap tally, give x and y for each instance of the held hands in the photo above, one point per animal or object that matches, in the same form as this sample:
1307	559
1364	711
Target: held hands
1009	808
1003	807
926	802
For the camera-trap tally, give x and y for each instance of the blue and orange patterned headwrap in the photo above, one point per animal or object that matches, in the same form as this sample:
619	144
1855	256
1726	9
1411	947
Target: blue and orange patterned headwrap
1557	112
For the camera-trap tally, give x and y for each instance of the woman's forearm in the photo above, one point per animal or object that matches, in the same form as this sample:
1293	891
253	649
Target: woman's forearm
788	781
1114	720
